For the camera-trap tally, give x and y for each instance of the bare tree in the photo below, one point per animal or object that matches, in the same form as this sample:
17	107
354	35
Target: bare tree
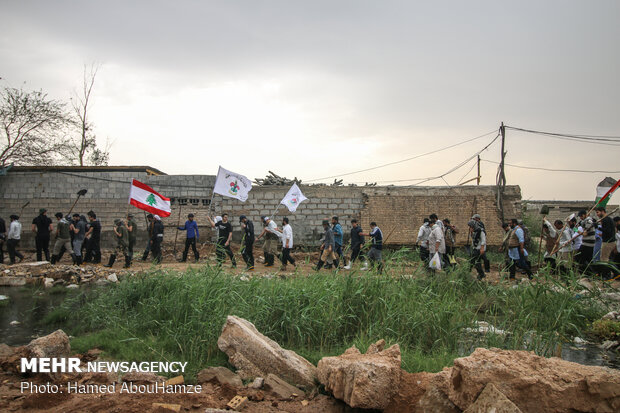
33	127
87	141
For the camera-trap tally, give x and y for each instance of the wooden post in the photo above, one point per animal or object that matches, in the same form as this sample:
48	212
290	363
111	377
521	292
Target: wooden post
478	176
176	235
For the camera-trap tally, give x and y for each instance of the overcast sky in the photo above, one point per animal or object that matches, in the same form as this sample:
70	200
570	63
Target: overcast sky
319	88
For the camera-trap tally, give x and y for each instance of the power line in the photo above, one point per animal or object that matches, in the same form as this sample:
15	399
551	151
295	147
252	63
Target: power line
592	139
402	160
551	169
432	178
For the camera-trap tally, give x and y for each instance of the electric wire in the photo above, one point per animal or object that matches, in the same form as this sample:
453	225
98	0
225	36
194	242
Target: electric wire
402	160
551	169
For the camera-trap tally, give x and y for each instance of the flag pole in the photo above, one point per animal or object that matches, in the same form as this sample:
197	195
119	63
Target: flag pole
176	235
275	212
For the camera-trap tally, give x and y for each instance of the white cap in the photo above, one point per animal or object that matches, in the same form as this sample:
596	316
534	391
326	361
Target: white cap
157	217
218	218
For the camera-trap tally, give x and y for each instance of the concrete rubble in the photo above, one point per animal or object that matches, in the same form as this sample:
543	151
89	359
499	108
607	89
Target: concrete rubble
220	375
363	380
48	275
255	355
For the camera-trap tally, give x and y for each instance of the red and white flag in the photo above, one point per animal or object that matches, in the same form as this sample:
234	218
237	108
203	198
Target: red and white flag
144	197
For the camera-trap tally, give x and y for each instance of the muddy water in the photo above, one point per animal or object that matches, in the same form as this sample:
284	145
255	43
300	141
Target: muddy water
29	306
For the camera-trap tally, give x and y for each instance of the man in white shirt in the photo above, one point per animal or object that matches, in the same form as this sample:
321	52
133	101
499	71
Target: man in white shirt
436	239
423	233
13	237
271	234
287	244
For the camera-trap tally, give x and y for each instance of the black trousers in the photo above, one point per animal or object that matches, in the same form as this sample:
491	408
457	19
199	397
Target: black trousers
221	250
523	263
190	242
131	244
285	257
42	243
474	261
156	249
487	263
355	253
93	251
584	256
424	254
11	246
1	251
247	252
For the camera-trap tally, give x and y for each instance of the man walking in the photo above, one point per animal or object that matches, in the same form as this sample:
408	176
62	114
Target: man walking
78	227
149	242
2	239
132	230
224	236
14	235
327	247
337	229
270	247
357	241
479	244
192	237
436	240
122	241
93	248
287	244
423	233
157	239
63	237
42	227
247	243
450	232
588	229
516	250
485	260
376	246
608	233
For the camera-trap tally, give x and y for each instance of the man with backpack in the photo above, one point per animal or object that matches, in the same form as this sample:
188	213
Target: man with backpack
516	250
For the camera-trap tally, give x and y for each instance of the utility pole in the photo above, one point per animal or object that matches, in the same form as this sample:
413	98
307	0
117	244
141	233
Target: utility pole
501	177
478	176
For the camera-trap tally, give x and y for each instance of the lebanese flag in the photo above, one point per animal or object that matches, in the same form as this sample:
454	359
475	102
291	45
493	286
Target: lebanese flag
144	197
604	190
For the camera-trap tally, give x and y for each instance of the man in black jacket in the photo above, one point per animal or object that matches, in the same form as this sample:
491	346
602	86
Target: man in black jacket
609	233
157	239
247	243
2	239
42	227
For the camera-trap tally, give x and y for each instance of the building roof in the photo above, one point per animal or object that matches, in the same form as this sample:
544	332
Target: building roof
120	168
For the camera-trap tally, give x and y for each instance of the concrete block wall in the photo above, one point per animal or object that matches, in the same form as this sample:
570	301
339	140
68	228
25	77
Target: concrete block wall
398	211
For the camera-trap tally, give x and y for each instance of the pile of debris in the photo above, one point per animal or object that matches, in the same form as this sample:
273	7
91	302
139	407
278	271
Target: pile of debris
48	275
274	179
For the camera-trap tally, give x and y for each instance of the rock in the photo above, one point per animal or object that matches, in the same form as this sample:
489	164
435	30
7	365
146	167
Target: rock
585	283
72	286
483	328
280	388
612	315
3	297
220	375
257	383
51	345
6	350
143	378
609	345
533	383
112	278
579	340
12	281
102	281
607	296
255	355
436	399
14	323
492	400
363	380
48	282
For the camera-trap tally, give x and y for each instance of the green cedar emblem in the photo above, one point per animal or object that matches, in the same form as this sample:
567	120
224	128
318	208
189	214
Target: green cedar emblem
151	200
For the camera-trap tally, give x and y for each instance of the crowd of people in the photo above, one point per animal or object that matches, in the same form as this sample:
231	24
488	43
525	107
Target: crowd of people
578	243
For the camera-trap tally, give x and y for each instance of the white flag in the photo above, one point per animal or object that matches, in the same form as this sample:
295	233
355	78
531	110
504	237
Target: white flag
232	185
293	198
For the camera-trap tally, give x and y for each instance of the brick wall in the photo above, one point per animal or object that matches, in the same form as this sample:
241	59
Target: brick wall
397	210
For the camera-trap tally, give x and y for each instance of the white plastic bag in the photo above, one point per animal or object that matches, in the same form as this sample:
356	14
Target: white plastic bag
435	262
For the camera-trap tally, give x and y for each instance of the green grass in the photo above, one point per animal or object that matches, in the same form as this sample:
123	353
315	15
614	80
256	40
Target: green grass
178	316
